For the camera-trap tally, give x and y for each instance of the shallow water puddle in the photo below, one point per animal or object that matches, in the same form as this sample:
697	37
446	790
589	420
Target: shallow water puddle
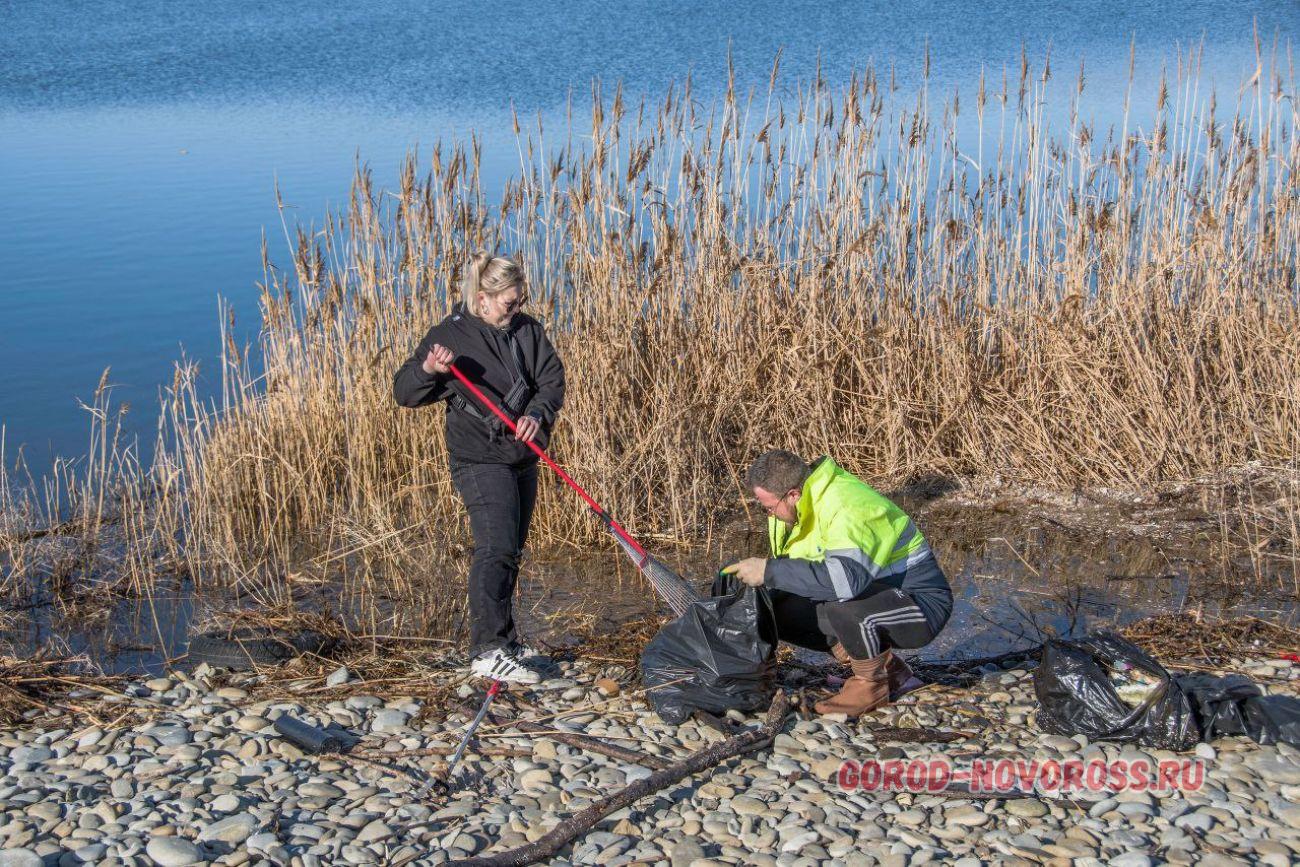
1016	583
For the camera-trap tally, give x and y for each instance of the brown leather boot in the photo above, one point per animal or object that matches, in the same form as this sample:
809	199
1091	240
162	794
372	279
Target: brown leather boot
841	655
900	673
866	690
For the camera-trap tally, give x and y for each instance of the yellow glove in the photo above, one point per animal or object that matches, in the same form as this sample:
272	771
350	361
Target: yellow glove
749	571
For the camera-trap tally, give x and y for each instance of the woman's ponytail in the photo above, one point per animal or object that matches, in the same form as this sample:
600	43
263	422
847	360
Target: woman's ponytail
472	283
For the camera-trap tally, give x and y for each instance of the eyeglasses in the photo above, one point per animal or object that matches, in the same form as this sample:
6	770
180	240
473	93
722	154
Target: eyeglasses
510	306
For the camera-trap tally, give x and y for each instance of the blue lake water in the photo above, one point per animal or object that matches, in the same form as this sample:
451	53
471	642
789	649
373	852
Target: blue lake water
141	142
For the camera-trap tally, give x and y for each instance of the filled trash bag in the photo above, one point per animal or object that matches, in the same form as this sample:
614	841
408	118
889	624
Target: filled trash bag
1108	689
1234	706
1218	702
718	655
1273	719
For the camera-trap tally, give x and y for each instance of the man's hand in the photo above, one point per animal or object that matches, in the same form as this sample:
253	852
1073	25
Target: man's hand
438	360
749	571
526	428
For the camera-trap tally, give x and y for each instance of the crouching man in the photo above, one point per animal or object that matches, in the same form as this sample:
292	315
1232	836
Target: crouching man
849	574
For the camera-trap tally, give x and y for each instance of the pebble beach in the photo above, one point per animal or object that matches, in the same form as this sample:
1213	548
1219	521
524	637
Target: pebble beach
205	779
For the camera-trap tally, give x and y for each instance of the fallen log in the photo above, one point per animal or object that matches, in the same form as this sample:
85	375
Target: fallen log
580	823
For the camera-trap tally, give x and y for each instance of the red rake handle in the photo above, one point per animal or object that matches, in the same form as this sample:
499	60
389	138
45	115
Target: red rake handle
595	507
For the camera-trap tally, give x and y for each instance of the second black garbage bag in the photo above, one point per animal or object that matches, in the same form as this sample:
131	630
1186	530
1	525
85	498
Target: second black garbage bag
1109	689
1235	706
719	655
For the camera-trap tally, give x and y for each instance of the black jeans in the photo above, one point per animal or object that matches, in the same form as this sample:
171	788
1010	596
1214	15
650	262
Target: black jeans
500	500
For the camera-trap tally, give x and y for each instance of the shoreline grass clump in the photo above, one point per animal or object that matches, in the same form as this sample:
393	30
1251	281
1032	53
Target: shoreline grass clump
920	286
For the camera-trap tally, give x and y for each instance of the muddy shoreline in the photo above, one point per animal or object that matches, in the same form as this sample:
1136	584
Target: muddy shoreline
1025	565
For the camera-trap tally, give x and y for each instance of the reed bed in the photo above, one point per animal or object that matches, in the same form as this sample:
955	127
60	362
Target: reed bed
919	284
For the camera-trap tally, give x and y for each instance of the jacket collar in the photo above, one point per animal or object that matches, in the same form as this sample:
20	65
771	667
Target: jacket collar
461	314
824	470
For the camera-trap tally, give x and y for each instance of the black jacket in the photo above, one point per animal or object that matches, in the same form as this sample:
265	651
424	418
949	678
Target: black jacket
494	360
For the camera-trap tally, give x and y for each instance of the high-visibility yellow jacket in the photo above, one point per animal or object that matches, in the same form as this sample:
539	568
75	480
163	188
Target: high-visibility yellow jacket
849	537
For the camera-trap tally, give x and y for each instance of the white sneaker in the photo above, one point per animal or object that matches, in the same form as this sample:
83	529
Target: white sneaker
504	666
527	654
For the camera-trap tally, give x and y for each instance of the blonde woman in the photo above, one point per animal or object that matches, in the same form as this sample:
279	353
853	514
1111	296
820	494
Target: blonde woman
506	354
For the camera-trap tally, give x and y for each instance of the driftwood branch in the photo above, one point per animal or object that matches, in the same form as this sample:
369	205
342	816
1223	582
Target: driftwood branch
582	822
509	752
586	743
594	745
916	735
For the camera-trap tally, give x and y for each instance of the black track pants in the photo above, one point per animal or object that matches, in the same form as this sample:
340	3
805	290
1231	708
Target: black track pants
883	618
500	500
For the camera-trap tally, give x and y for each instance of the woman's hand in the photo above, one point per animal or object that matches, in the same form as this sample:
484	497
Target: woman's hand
438	360
749	571
526	428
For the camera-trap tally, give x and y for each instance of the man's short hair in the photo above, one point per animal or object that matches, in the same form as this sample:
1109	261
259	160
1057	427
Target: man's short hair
778	471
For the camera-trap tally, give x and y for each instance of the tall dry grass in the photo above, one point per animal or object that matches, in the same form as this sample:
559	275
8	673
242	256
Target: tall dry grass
915	284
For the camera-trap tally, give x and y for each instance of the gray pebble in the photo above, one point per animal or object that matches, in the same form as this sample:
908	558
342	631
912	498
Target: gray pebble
173	852
31	755
233	829
225	803
170	736
20	858
1131	859
388	720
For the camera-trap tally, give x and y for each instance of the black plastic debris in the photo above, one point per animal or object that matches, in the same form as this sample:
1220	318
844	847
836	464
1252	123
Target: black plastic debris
717	656
1233	706
306	736
1079	684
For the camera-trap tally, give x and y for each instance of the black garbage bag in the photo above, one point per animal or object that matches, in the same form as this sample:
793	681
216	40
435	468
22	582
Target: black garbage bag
1233	706
1218	702
720	654
1077	695
1274	719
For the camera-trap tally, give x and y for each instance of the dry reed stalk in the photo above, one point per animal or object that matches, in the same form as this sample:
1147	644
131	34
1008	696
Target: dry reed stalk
837	270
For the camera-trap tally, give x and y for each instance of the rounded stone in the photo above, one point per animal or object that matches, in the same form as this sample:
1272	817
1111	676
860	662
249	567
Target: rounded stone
225	803
1276	769
20	858
173	852
1289	816
969	816
912	817
389	720
91	854
536	779
170	736
320	790
233	830
1059	743
1131	859
30	755
1026	808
